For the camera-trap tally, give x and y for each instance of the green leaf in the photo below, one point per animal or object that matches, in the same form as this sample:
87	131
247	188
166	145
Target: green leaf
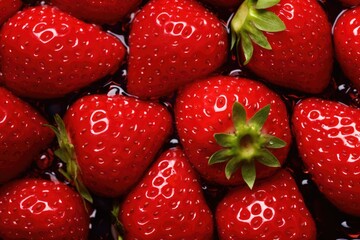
66	154
263	4
247	47
225	140
274	142
238	116
234	40
259	118
115	219
231	167
259	38
62	154
268	159
53	128
80	187
65	174
220	156
248	172
267	21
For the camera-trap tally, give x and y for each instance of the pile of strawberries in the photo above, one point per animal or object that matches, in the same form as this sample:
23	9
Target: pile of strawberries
179	119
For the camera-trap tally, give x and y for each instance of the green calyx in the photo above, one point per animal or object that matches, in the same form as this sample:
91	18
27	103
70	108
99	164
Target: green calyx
115	219
249	23
246	145
66	153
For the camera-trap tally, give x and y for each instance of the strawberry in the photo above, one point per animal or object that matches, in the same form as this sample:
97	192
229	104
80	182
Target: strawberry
22	135
111	140
46	53
99	11
167	203
36	209
346	39
274	209
328	139
234	122
284	54
8	8
172	43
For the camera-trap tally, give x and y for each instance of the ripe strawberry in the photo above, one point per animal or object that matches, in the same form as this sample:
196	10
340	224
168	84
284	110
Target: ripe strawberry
36	209
285	54
167	203
22	135
328	139
99	11
222	107
8	8
274	209
346	40
172	43
111	141
46	53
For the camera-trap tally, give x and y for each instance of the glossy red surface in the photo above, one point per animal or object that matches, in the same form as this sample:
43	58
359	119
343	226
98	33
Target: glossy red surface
41	210
274	209
173	43
115	139
56	53
204	108
22	135
328	139
167	203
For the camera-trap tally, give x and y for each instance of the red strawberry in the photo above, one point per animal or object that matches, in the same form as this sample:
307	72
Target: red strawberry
113	139
8	8
274	209
167	203
224	106
46	53
172	43
22	135
98	11
346	38
295	49
36	209
328	139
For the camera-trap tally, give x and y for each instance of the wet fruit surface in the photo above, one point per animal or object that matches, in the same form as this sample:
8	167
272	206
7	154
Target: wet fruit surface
330	222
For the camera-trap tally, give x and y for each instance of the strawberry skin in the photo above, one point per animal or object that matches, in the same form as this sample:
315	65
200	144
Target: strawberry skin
46	53
295	59
115	139
167	203
22	135
98	11
346	39
203	109
274	209
8	8
327	136
172	43
36	209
